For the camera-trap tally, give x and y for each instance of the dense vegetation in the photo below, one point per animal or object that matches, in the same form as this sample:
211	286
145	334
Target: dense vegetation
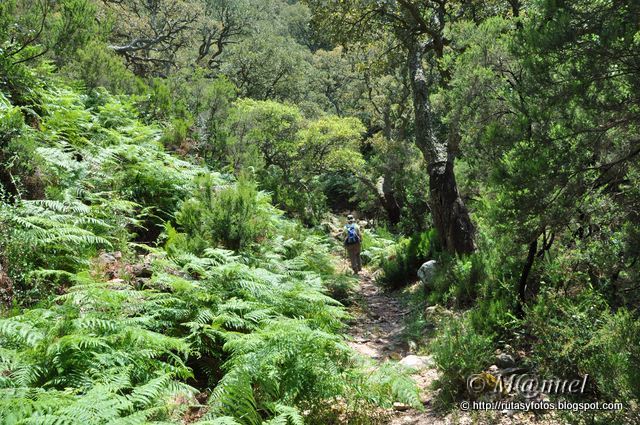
169	171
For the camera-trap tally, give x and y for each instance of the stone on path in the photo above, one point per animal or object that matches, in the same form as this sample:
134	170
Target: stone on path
505	360
417	362
400	407
427	272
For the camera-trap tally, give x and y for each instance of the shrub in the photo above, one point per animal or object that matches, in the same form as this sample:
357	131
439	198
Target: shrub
17	146
256	330
308	205
234	216
97	66
457	281
459	351
397	268
46	241
494	317
376	246
341	288
402	266
579	335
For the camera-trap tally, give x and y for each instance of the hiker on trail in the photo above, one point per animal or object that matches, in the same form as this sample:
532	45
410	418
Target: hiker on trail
352	243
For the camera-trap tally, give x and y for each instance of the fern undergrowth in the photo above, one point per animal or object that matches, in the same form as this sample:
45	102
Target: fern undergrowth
209	335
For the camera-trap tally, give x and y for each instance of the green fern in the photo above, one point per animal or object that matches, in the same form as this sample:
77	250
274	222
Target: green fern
254	329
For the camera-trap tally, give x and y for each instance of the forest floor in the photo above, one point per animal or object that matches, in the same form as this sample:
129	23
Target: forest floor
377	331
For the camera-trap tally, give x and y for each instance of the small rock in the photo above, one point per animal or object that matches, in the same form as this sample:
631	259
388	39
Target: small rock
400	407
143	270
504	360
427	272
142	282
511	370
106	258
417	362
413	347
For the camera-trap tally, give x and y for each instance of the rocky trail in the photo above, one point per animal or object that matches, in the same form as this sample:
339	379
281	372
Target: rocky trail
376	331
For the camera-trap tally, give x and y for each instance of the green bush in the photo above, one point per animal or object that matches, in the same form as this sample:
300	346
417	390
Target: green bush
18	142
398	267
97	66
376	246
44	242
457	280
401	267
308	205
579	335
459	351
494	317
234	216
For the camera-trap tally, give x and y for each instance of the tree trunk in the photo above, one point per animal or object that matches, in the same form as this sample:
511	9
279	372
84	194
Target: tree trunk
388	200
522	283
450	216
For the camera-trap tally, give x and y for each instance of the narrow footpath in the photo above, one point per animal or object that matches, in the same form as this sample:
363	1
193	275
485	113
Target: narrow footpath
376	331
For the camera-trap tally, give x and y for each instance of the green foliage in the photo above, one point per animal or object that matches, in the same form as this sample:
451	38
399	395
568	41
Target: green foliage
255	328
457	280
494	318
399	163
90	164
459	351
103	359
235	216
46	241
262	134
401	266
17	147
270	66
331	143
376	243
587	339
537	101
262	337
287	153
96	66
31	30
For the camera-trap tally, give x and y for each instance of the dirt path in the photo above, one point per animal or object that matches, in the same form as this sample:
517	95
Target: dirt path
379	322
376	332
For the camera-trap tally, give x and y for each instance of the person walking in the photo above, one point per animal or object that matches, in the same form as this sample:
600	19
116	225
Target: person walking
353	243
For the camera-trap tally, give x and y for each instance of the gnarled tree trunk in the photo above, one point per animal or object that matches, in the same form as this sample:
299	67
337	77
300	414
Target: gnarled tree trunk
450	216
388	200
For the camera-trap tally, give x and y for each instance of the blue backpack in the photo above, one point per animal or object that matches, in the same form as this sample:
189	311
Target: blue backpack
352	234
